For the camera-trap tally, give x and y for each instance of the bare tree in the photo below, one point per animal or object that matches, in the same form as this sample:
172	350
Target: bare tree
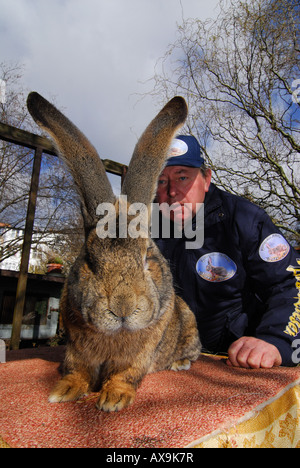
15	161
240	75
57	205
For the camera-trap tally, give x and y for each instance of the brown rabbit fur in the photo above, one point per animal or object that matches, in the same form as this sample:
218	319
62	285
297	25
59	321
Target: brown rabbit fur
122	317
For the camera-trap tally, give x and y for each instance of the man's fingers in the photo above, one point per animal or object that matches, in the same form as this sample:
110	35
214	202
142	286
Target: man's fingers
250	352
236	354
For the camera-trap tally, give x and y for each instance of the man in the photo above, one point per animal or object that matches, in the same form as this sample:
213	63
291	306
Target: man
242	283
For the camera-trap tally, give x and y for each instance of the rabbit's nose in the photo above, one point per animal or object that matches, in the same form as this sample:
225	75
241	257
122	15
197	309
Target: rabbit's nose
117	317
122	307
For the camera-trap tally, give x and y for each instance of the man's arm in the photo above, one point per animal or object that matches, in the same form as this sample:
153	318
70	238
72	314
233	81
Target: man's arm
272	270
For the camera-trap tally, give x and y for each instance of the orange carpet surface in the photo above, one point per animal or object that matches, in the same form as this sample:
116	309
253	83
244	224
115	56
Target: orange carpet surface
172	409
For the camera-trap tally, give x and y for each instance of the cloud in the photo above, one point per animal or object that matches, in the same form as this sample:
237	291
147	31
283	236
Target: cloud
93	56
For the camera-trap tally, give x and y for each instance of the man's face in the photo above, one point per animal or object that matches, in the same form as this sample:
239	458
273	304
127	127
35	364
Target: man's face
181	185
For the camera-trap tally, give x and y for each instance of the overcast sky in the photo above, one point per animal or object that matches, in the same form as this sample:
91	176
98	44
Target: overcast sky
93	57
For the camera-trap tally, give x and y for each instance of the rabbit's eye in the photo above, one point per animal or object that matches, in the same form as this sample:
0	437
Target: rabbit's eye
149	251
146	257
108	311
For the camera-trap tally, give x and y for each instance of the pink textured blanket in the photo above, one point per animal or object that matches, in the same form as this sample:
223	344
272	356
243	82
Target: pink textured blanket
172	409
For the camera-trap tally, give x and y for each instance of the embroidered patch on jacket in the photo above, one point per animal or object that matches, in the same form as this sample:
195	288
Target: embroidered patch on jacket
274	248
216	267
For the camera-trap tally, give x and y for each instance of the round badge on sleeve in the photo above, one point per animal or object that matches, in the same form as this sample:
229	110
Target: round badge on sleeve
274	248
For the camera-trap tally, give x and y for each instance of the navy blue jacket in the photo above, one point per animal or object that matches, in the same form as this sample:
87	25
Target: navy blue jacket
243	281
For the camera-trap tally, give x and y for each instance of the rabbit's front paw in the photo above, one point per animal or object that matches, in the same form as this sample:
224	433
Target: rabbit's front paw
115	395
69	388
182	364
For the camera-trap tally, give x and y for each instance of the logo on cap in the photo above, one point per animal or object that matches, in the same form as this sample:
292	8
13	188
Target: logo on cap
178	148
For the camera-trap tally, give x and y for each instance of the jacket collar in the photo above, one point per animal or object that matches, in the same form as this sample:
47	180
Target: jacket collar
213	199
213	206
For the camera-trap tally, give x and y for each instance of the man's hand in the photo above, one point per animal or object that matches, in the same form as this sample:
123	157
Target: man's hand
250	352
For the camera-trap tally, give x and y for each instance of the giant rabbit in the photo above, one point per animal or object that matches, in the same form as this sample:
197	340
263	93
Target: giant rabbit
120	312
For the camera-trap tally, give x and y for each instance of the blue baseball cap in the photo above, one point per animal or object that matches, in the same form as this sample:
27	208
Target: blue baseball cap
185	151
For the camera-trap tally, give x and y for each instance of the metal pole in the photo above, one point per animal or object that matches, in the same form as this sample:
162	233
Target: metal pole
22	281
2	352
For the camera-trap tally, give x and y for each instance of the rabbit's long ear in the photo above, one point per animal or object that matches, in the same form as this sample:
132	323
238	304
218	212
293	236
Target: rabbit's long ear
151	151
77	152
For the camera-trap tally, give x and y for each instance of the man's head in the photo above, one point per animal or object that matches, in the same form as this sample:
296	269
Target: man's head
185	179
